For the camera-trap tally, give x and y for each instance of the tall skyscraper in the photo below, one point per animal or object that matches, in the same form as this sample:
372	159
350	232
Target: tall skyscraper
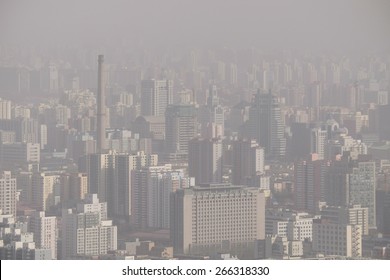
248	161
266	125
318	139
180	127
101	107
217	217
212	115
205	160
309	183
7	194
156	95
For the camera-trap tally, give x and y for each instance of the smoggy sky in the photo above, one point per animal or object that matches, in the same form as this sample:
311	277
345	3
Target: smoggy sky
335	25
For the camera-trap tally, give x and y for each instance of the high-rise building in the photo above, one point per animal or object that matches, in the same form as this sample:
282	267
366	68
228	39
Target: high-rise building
161	182
7	194
383	127
101	107
266	125
151	188
43	187
212	218
212	115
248	161
86	231
5	109
74	187
156	95
109	176
318	139
180	127
337	182
45	232
362	184
205	160
309	183
352	215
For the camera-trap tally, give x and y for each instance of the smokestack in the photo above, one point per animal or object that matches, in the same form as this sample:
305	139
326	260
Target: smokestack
101	108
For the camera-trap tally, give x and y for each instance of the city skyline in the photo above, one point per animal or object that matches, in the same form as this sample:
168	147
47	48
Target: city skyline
228	130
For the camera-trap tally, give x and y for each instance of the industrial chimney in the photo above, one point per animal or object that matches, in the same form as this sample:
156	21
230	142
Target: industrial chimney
101	108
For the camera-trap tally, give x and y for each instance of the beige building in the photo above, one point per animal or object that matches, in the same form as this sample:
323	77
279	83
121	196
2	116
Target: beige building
213	218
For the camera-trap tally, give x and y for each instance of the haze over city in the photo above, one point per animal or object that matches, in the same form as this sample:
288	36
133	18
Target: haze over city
185	129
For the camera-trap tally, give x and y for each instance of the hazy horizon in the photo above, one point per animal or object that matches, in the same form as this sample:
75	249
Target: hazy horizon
341	26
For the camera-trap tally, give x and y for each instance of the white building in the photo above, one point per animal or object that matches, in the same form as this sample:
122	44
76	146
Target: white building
318	138
87	232
45	232
7	193
217	217
156	95
286	223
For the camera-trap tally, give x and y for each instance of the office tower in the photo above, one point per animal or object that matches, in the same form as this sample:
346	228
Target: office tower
318	138
45	232
248	161
266	125
205	160
43	187
309	183
86	230
7	194
337	239
109	176
362	184
211	218
101	107
156	95
156	185
180	127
